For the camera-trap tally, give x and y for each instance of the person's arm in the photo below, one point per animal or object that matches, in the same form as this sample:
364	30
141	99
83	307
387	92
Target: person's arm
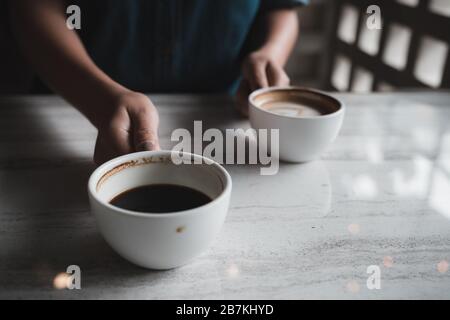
264	66
127	121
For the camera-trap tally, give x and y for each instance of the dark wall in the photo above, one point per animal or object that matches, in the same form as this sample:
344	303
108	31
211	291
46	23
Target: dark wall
15	74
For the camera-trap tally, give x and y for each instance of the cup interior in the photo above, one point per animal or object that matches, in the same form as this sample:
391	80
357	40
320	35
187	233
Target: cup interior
128	172
324	103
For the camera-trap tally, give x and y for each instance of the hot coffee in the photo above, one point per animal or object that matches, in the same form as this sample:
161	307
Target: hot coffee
291	109
295	103
307	120
160	198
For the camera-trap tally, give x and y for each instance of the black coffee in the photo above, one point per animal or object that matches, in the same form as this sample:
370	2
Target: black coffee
160	198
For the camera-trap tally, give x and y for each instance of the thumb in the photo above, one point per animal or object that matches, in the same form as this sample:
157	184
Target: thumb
145	131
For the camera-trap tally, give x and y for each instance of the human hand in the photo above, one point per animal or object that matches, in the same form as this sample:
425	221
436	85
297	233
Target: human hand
130	124
259	70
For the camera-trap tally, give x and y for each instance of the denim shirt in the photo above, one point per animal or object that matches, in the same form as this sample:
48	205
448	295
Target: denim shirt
171	45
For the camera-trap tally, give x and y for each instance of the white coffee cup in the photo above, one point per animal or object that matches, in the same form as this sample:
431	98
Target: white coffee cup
152	240
302	137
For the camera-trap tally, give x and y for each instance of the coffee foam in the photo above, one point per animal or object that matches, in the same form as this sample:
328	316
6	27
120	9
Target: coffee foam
291	109
296	102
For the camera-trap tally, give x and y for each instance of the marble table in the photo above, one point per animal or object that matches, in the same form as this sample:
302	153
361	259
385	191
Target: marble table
378	200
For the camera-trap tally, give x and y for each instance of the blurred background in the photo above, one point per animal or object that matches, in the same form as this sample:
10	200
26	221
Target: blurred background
336	51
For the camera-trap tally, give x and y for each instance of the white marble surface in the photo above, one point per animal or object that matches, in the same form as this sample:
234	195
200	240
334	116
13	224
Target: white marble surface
380	196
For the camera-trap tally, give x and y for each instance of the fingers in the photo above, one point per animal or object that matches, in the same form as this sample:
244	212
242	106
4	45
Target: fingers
145	129
242	98
117	134
256	75
111	143
262	73
146	140
277	76
132	127
259	79
100	154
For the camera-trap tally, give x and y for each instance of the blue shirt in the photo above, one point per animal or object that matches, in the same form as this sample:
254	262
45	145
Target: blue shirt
171	45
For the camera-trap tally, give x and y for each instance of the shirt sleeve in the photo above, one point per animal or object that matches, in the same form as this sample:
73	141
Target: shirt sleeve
279	4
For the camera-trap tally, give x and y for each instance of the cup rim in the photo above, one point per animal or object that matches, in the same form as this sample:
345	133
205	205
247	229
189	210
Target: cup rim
255	93
99	172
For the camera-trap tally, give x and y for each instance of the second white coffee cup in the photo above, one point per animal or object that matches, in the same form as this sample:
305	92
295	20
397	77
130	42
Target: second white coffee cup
301	137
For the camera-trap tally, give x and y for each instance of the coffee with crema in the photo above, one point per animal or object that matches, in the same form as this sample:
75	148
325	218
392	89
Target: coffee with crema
306	120
295	103
291	109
